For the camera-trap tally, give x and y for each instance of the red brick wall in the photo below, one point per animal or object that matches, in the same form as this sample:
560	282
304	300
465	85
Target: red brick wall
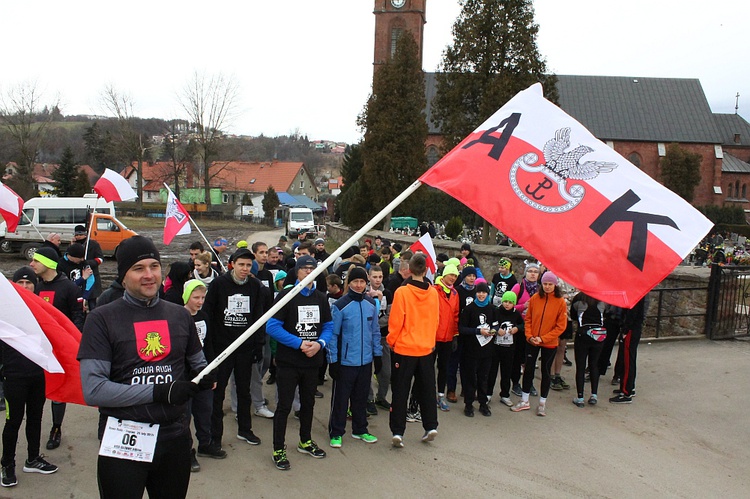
710	167
410	17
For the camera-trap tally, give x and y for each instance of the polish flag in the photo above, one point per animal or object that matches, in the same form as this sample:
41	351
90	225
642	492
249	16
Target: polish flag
11	207
114	187
596	220
424	244
45	336
177	218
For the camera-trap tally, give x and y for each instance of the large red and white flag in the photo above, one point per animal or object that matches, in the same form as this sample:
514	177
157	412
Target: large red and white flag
114	187
177	218
595	219
44	335
424	244
11	207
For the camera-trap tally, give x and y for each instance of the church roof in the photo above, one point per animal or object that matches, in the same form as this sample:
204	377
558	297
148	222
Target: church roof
731	125
730	164
629	108
641	109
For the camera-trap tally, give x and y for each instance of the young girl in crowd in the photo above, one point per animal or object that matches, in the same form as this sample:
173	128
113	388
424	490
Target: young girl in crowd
510	325
524	290
203	270
546	318
588	314
477	327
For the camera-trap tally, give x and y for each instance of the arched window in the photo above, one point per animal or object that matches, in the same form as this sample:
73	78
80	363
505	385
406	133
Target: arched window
395	35
737	188
433	155
729	190
744	191
635	158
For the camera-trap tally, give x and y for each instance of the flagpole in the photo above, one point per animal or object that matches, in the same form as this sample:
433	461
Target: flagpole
91	225
32	224
210	246
307	280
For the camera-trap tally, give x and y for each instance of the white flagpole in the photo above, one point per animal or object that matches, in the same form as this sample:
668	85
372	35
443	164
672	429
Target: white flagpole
91	226
210	246
307	280
32	224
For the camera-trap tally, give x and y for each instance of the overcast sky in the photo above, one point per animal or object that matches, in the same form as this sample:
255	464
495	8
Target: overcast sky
307	65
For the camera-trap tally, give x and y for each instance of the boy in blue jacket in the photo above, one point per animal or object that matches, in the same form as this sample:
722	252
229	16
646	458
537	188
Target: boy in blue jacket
354	347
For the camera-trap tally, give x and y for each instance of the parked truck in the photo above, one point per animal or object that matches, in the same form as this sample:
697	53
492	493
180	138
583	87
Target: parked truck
299	220
42	216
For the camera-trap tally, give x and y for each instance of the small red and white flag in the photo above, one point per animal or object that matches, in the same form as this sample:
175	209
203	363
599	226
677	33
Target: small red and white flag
177	218
596	220
44	335
114	187
424	244
11	207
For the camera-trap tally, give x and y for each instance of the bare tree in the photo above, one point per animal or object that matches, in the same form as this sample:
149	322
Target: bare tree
21	115
178	151
210	103
132	141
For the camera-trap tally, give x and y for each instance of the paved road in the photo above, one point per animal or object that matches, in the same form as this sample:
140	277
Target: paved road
684	436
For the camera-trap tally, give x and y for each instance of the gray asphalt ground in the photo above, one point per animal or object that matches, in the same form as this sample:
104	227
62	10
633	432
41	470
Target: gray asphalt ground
685	435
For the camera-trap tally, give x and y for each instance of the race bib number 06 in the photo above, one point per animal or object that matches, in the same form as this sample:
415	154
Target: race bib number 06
308	314
131	440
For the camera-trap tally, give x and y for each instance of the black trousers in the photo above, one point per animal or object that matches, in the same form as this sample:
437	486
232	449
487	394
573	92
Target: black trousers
502	362
548	357
587	352
350	390
519	358
167	476
287	381
443	350
629	348
404	368
613	331
474	372
23	394
241	364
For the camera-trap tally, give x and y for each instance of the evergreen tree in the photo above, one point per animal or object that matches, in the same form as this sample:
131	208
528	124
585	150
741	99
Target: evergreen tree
351	205
681	171
493	57
66	175
83	186
270	202
395	130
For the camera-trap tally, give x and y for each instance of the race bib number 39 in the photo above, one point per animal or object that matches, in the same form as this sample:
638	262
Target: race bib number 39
129	440
308	314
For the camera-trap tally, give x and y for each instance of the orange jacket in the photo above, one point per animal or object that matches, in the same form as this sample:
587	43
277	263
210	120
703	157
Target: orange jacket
546	317
448	323
413	320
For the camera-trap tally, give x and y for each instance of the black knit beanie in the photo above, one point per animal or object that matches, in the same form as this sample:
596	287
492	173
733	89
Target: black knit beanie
133	250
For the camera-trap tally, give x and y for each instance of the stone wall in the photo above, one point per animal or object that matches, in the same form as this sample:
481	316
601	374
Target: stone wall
673	302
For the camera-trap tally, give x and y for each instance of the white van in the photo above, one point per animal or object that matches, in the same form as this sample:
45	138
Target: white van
299	220
42	216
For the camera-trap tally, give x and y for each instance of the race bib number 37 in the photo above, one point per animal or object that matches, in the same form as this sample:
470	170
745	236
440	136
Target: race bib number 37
129	440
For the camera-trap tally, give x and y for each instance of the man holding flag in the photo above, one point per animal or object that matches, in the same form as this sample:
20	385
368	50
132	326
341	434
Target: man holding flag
135	354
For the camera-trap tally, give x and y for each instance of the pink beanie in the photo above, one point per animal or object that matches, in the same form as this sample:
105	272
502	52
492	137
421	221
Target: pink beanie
549	277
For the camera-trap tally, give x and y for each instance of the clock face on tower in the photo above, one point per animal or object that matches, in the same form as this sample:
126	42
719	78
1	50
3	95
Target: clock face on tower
398	3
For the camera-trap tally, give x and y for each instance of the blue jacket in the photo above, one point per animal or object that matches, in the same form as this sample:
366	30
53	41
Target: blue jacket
356	333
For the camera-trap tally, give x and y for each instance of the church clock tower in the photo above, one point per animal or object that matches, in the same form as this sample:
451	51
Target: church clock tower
394	18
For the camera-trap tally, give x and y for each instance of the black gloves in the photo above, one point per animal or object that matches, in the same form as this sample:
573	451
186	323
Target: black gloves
206	382
333	369
378	361
175	393
454	344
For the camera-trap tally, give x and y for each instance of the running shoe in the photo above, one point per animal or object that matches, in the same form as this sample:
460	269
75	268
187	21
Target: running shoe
397	441
541	410
621	399
212	450
578	402
280	460
429	435
8	474
39	465
264	412
485	411
372	410
506	401
442	403
55	435
336	442
365	437
310	447
521	406
249	437
195	466
593	399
